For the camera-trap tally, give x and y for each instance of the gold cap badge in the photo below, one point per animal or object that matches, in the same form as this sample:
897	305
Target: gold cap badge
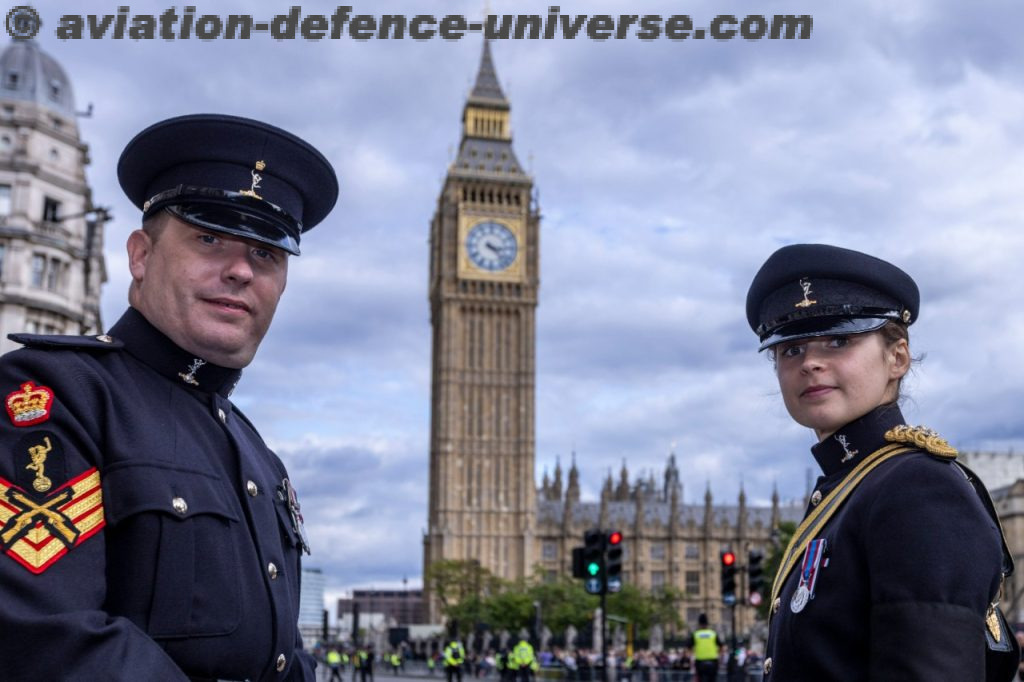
805	284
256	177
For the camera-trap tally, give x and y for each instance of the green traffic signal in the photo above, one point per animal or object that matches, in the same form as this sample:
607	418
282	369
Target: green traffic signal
593	568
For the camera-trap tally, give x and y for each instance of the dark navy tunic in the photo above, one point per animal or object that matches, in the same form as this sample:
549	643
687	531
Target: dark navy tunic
912	561
172	552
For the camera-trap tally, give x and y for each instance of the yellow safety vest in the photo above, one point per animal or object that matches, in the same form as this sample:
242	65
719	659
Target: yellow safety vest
333	658
453	654
705	645
523	655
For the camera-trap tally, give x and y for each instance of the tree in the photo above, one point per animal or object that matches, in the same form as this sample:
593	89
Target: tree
563	602
780	540
461	588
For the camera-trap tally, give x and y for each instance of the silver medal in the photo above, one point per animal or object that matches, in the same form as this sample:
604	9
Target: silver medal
800	599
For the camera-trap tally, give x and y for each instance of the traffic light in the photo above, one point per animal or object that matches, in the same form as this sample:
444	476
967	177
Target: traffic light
578	568
728	578
593	561
755	577
613	561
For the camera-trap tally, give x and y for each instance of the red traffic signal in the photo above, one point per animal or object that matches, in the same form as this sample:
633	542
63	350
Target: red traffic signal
728	558
614	538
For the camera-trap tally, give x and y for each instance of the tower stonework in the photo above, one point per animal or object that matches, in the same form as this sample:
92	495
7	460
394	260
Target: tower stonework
51	234
484	242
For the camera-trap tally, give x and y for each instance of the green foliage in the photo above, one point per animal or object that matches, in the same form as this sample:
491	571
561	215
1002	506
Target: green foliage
646	609
469	594
771	564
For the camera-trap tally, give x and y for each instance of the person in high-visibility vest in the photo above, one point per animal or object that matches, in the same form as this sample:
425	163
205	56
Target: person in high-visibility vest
396	662
454	657
334	664
525	661
705	650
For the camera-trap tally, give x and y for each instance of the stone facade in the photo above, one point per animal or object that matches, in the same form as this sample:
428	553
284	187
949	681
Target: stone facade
51	234
666	542
483	296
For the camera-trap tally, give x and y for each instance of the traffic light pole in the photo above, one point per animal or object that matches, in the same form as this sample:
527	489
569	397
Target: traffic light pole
609	674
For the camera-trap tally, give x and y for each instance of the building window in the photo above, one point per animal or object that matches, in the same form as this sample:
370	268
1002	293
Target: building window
657	580
551	577
692	550
40	322
3	252
549	550
692	614
55	90
38	270
658	551
51	210
693	583
47	273
11	81
5	200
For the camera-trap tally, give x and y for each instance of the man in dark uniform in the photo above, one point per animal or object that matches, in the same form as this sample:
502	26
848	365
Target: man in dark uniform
896	570
147	531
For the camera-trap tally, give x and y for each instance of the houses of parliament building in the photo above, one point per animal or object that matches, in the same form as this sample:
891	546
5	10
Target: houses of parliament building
483	501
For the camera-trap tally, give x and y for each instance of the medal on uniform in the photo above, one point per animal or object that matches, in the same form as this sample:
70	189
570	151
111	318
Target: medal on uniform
808	575
294	510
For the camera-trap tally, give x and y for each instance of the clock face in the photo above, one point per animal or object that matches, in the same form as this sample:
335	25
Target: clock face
491	246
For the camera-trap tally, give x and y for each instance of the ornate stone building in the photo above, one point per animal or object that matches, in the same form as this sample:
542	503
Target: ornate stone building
483	504
666	542
51	234
483	296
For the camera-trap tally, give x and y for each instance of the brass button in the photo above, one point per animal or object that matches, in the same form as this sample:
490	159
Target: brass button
272	570
180	505
103	338
281	662
776	604
223	417
252	488
816	498
767	665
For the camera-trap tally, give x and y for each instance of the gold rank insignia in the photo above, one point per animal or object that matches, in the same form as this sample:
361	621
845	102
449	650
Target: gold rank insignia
29	405
922	437
36	531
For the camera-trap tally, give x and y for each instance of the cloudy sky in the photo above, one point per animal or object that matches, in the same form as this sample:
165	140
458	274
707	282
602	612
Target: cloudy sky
667	172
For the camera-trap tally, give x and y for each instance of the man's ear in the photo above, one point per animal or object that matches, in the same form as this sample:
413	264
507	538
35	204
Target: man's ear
139	247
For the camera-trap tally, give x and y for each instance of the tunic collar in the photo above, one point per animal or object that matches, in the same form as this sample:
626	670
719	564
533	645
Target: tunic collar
150	346
849	445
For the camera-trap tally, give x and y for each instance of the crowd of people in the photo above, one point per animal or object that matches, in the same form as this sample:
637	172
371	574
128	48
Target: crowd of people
509	665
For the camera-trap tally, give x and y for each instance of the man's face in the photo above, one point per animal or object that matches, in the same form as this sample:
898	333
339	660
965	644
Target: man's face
213	294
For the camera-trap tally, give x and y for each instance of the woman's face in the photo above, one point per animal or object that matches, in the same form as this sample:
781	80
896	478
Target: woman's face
829	381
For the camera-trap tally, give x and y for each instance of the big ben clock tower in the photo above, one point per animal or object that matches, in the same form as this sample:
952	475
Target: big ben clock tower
483	295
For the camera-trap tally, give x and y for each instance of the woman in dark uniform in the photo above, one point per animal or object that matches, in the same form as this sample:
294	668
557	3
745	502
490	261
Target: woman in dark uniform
896	569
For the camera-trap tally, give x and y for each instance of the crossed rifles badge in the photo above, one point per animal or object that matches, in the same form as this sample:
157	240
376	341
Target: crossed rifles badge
39	526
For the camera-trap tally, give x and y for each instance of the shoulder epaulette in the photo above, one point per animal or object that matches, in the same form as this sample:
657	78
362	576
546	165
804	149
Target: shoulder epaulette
923	438
60	341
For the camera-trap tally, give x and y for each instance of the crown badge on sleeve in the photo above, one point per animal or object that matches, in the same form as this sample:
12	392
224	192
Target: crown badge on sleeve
29	405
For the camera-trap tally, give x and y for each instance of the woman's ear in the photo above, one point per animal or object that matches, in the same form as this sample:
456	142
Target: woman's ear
898	355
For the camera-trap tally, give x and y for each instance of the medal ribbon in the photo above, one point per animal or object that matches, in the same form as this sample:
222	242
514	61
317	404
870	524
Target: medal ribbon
816	520
812	559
